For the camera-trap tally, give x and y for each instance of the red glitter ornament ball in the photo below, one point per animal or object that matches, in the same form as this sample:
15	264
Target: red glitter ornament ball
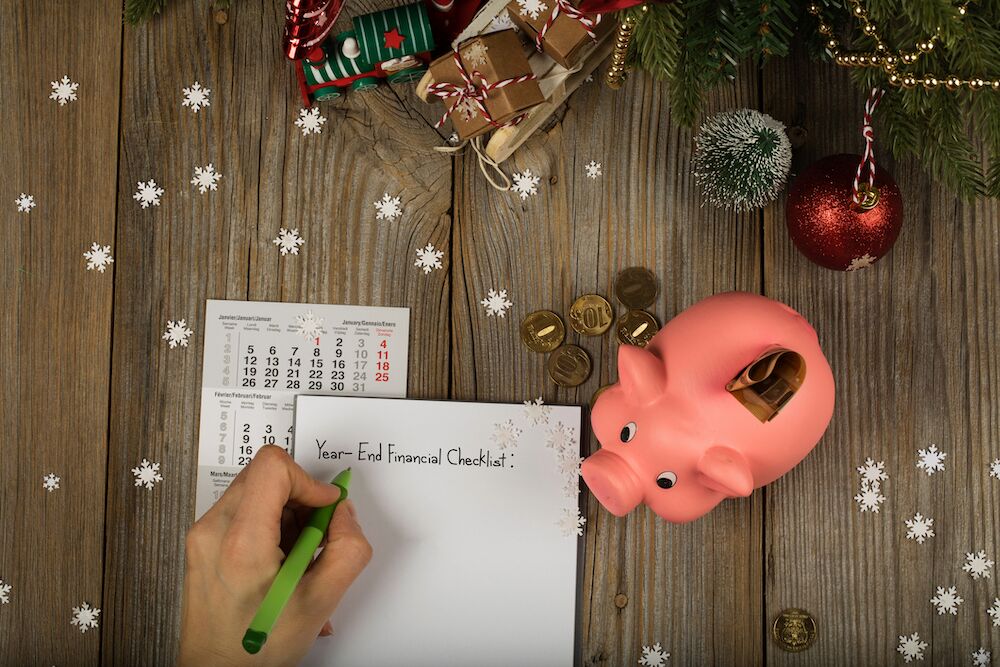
829	228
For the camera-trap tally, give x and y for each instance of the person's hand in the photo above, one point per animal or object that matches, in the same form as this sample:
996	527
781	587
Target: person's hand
234	551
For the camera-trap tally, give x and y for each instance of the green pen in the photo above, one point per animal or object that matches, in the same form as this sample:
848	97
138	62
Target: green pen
291	571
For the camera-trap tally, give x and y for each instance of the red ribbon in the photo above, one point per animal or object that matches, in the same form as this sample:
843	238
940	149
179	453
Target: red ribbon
476	92
608	6
563	7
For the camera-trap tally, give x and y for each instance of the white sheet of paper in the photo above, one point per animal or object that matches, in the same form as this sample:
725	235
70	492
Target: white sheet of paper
259	355
471	565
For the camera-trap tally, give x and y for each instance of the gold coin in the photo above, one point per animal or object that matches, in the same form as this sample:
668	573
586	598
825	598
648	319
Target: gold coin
591	315
636	327
597	395
542	331
794	630
569	366
636	287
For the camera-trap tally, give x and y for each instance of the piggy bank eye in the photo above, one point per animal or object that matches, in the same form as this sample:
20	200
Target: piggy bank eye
628	432
666	480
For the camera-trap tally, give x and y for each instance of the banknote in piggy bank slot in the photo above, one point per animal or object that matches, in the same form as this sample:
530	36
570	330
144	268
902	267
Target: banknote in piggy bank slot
730	395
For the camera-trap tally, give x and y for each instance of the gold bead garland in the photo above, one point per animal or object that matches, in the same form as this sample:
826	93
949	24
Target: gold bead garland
615	76
890	62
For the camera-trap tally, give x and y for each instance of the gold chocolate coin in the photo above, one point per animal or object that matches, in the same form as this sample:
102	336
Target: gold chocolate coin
569	366
542	331
636	327
794	630
636	287
591	315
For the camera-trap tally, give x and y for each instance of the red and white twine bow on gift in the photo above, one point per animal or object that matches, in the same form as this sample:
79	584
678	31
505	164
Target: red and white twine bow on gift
473	91
564	7
860	198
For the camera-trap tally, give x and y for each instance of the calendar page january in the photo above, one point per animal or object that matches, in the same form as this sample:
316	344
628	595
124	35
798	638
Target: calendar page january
259	355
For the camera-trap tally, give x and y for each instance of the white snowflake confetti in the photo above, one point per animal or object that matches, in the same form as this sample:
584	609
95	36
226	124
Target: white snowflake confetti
560	438
911	648
994	612
525	184
593	169
388	208
288	241
571	523
995	469
536	411
196	97
148	194
475	54
532	8
454	139
310	325
177	333
310	121
589	78
147	474
919	528
206	178
870	498
98	257
653	656
568	463
872	471
931	460
4	592
862	262
63	91
981	658
947	601
428	258
85	617
496	303
25	203
978	565
505	434
50	482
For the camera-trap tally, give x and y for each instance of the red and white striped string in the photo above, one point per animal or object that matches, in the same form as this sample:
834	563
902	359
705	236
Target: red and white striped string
868	132
476	92
564	7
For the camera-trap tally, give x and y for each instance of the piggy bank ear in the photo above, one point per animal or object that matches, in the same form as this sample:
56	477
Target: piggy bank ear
640	372
724	469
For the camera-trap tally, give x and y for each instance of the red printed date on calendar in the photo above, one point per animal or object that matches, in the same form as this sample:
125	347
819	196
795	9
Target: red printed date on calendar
259	355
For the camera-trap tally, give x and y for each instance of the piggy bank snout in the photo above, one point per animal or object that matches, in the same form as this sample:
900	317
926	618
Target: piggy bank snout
612	481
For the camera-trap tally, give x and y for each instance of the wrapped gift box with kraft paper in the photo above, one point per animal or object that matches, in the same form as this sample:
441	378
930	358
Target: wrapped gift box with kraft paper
489	71
568	36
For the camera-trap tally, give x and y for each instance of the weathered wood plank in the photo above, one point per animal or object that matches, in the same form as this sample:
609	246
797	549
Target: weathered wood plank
573	238
219	245
912	342
55	321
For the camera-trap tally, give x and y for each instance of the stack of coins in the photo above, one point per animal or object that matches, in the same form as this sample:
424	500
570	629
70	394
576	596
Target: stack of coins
591	315
636	288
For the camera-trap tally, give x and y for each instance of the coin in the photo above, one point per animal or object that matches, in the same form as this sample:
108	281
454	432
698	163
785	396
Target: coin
636	287
636	327
597	395
542	331
569	366
590	315
794	630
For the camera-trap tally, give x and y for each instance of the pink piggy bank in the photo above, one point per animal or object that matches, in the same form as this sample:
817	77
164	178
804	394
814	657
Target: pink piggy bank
727	397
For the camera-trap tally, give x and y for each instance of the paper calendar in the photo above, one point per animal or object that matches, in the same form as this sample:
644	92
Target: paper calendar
258	356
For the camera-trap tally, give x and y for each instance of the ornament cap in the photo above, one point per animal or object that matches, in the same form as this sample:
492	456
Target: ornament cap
868	197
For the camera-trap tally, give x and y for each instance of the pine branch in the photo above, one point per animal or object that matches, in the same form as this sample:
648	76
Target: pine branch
137	11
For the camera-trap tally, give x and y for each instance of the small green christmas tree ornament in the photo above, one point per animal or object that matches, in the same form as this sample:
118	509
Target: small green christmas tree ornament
741	159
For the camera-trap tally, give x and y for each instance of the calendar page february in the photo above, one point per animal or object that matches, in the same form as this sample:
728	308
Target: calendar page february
259	355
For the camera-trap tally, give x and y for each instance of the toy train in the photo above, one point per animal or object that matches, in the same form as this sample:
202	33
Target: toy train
393	44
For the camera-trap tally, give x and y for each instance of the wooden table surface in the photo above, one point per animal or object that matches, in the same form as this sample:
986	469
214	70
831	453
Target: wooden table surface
89	388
